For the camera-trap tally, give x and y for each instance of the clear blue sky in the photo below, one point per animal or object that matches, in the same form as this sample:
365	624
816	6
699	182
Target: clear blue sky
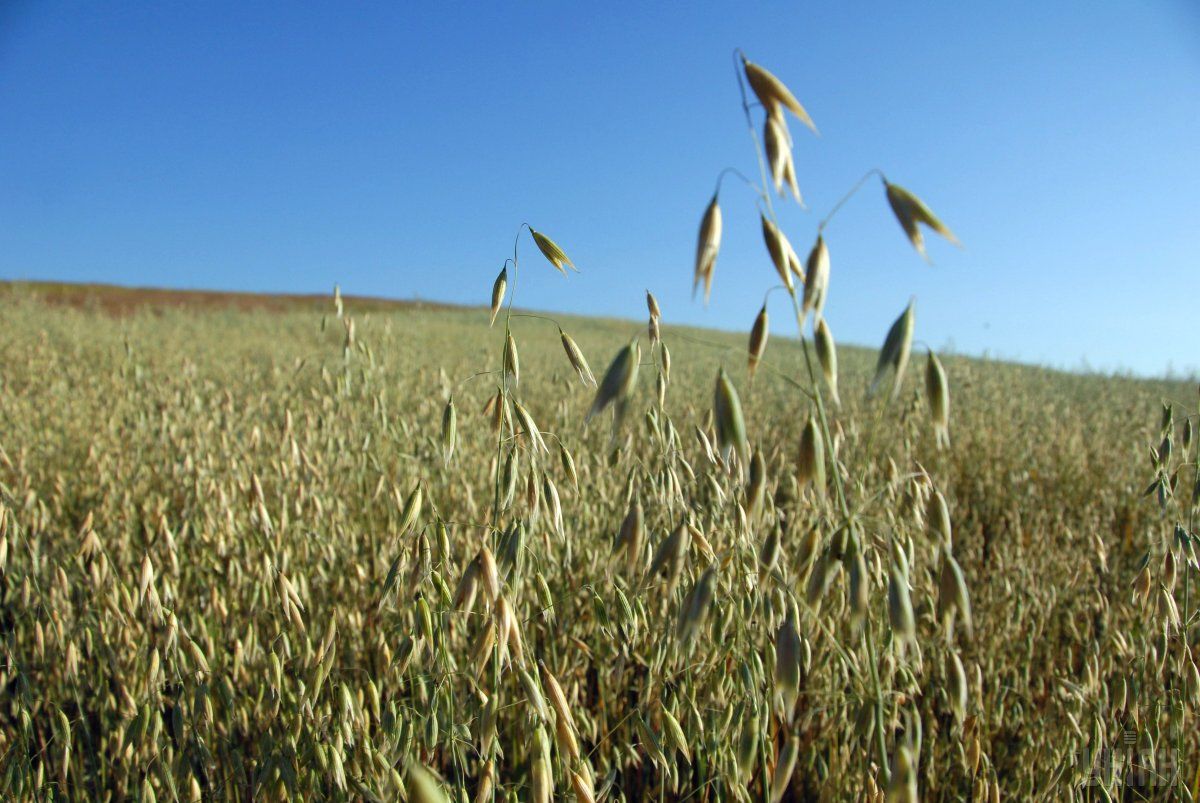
395	148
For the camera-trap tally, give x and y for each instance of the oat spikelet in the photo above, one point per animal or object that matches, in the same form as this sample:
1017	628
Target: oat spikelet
498	289
773	94
731	427
695	607
827	357
953	598
784	767
816	279
900	610
707	245
938	390
777	247
758	341
788	650
619	380
423	787
577	360
778	146
552	252
449	431
894	353
512	362
811	465
911	213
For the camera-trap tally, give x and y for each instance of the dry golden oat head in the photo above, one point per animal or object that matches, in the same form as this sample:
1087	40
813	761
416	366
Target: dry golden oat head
827	357
894	354
498	289
773	94
778	147
911	211
937	388
707	245
956	685
777	247
619	380
816	278
577	360
731	426
552	252
758	341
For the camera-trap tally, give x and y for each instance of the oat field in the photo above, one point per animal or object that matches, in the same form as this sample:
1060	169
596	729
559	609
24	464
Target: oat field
259	555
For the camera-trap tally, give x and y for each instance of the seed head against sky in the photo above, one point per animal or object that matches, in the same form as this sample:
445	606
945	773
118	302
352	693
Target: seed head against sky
395	148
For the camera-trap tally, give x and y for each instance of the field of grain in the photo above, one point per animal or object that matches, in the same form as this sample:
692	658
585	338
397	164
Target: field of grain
249	554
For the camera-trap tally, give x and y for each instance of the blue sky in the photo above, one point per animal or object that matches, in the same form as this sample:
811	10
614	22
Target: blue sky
396	147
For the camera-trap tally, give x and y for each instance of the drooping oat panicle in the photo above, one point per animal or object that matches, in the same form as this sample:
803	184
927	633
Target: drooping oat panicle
894	354
552	252
911	212
777	247
707	246
758	341
827	357
498	289
938	391
577	360
731	426
619	380
811	465
773	94
449	431
816	279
